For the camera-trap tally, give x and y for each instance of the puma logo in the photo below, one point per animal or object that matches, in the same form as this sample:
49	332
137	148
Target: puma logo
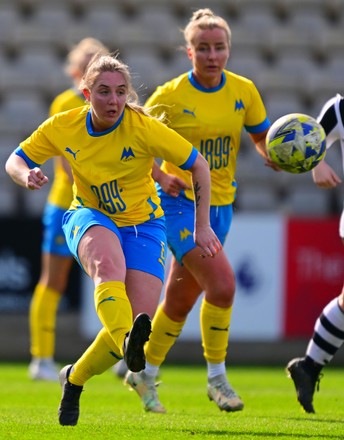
189	112
68	150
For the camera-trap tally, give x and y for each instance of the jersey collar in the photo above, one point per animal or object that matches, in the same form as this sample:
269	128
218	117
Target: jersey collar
203	89
90	130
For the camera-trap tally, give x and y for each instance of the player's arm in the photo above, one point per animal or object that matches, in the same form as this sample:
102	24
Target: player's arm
21	173
169	183
324	176
259	141
204	236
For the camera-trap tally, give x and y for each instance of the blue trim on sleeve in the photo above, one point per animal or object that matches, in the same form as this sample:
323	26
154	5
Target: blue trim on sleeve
191	160
30	163
203	89
258	128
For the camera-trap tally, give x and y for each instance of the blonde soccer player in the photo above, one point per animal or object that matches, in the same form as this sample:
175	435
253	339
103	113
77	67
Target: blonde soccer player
115	227
210	106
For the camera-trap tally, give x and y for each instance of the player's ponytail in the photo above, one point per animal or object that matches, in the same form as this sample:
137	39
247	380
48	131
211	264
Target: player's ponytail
206	12
203	19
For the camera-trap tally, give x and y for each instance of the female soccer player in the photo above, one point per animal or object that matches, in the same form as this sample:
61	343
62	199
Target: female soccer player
56	258
328	334
115	227
209	106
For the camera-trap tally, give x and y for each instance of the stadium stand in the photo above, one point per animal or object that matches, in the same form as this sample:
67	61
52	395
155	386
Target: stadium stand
292	49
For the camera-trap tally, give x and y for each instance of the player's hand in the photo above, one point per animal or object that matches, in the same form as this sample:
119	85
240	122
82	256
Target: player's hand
272	165
36	179
207	240
324	176
172	185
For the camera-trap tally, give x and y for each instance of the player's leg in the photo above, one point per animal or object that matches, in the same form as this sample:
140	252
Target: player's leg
98	248
167	325
134	256
42	315
328	337
216	277
55	268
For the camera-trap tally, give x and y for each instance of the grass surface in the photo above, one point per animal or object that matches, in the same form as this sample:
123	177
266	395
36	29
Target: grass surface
28	410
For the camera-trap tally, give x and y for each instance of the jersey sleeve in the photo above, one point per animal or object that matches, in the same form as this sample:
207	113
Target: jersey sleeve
256	118
170	146
38	147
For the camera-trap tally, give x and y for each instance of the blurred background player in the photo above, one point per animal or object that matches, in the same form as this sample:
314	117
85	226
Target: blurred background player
210	107
328	334
56	259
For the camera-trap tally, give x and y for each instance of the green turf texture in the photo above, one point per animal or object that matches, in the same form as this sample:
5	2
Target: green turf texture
28	410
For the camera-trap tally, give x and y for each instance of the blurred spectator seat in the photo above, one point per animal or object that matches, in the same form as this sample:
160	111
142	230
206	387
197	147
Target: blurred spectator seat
280	104
148	71
23	111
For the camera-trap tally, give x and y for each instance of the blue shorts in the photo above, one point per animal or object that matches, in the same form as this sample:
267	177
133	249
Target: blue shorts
54	241
180	218
144	245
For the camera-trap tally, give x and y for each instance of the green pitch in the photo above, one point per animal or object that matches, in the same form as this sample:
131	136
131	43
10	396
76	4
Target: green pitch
28	410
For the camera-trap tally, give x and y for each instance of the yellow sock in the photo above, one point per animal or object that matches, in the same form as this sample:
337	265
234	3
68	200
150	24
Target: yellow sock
42	320
215	323
114	311
99	357
163	336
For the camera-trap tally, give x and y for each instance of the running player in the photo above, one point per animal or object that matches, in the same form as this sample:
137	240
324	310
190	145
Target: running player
115	227
210	107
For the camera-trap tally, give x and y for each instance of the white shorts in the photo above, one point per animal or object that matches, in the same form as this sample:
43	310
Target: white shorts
341	225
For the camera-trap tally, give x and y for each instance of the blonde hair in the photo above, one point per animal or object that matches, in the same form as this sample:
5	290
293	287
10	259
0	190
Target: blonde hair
110	62
205	19
81	54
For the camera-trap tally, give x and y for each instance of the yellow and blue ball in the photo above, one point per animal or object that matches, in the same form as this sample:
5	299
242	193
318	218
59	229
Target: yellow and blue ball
296	143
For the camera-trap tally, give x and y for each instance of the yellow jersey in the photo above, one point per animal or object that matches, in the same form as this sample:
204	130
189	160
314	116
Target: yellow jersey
112	170
61	193
212	120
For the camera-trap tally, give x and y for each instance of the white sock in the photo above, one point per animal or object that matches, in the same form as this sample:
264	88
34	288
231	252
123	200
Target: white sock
328	334
151	370
216	369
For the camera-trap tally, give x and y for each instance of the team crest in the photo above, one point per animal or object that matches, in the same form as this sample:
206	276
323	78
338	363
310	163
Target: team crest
127	154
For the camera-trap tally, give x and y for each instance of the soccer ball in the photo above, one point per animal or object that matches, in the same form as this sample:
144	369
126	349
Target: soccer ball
296	143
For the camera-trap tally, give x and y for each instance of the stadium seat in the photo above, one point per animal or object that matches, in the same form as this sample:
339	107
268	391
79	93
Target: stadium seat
247	63
280	104
37	68
47	24
255	16
24	111
155	26
8	22
147	72
104	22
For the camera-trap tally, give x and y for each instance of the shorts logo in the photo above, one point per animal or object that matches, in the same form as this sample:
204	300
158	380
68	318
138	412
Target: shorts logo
184	234
127	154
69	150
75	231
162	258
